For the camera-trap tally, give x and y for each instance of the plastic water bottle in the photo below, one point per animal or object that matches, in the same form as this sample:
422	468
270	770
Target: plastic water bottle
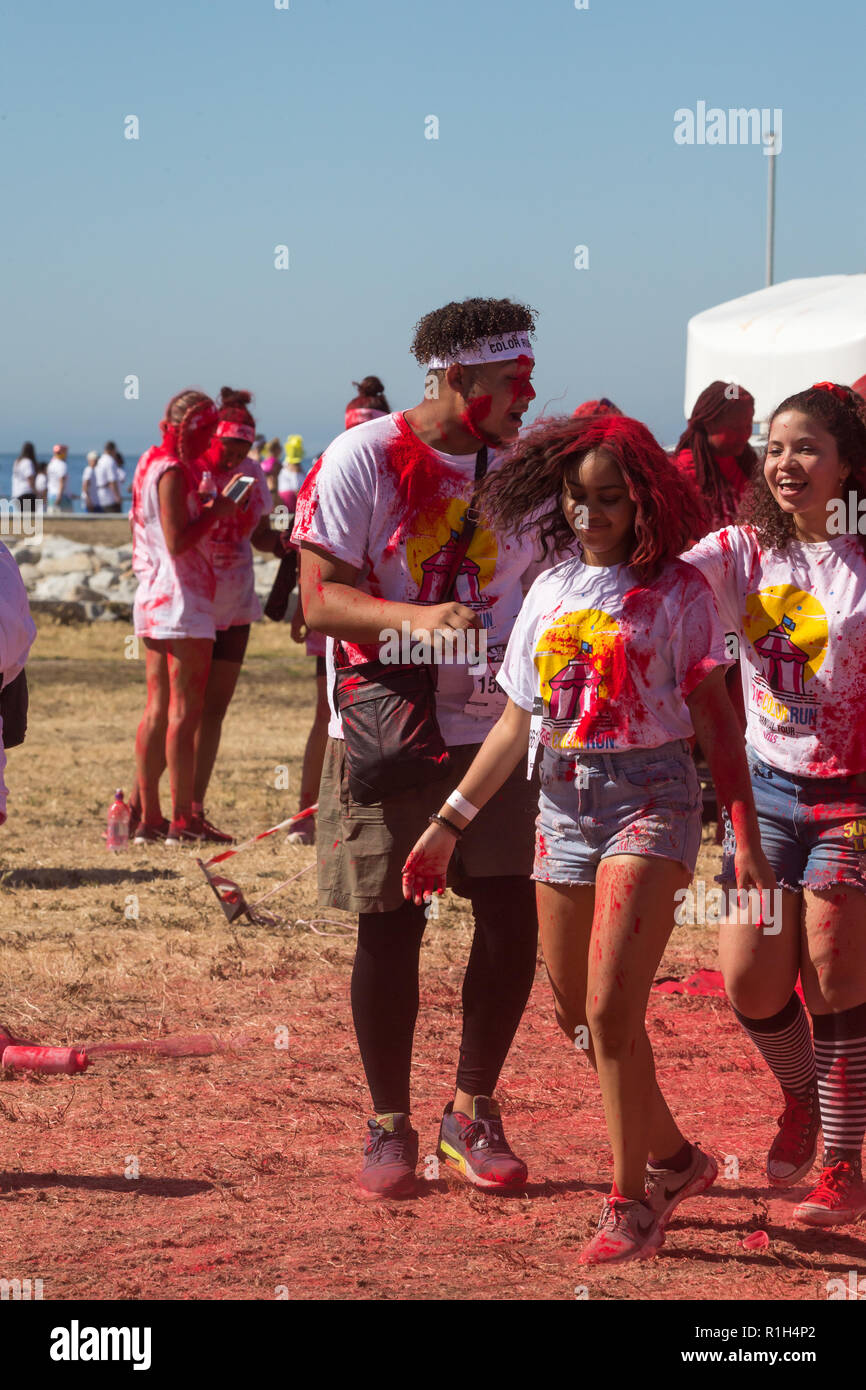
207	488
63	1060
118	823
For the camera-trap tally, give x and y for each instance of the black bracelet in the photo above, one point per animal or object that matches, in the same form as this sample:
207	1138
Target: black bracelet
448	824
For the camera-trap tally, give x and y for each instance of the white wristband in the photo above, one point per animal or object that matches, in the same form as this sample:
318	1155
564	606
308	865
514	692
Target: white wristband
461	805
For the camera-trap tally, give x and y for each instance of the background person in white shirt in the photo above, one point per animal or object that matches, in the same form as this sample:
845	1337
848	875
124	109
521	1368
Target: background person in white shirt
109	478
88	484
24	474
57	473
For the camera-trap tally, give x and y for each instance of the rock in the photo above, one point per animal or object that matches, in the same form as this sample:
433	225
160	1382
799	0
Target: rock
82	612
104	582
65	587
26	553
70	562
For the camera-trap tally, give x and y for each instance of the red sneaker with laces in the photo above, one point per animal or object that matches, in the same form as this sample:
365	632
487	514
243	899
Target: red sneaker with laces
185	831
792	1152
840	1197
214	836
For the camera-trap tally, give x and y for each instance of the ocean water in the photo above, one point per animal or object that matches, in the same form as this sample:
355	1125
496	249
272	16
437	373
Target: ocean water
76	464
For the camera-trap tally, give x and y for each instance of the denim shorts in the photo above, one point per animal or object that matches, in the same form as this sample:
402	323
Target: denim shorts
594	805
813	829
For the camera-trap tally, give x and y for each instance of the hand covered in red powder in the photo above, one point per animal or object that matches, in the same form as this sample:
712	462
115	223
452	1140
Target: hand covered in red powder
752	869
427	864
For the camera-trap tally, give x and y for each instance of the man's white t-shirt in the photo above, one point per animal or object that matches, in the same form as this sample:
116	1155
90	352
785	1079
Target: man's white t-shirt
391	507
106	472
608	662
23	477
57	472
88	486
799	616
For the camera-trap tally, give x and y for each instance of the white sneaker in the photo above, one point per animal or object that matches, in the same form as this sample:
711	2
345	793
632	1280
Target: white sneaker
627	1230
305	834
665	1188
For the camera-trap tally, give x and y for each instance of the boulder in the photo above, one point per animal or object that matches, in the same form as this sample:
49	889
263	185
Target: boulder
66	587
68	562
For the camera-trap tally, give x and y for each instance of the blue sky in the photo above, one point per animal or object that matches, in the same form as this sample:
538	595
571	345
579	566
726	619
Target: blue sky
306	127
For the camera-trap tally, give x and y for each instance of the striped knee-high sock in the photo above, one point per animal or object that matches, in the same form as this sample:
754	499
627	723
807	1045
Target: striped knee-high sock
785	1043
840	1052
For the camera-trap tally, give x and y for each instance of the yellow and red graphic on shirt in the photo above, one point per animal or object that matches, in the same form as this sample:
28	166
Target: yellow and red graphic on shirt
579	660
788	631
430	553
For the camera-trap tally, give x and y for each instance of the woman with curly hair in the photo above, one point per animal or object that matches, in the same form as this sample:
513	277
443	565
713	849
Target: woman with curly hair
714	451
791	583
616	659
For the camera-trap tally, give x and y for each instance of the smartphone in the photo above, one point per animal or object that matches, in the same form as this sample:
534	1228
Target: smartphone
238	487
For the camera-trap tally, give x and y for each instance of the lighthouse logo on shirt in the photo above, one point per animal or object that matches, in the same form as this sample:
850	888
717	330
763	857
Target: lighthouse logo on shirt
788	632
430	554
575	659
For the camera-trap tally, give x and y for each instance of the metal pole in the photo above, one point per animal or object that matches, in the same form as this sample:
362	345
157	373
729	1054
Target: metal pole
771	203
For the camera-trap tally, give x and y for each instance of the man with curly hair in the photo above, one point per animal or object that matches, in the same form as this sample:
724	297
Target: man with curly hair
378	524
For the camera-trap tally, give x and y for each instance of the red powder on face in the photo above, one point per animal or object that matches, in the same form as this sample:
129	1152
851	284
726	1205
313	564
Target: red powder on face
521	386
477	410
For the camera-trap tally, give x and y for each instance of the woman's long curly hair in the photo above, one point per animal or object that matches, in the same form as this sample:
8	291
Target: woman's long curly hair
841	412
713	405
524	495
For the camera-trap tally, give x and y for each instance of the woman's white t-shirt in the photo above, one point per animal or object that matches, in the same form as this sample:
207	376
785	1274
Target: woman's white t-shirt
799	617
391	507
23	477
175	592
609	663
228	547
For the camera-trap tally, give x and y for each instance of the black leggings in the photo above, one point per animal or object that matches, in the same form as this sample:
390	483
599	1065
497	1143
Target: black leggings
496	986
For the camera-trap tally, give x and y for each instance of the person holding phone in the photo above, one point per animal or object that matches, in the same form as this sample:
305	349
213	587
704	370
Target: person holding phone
229	545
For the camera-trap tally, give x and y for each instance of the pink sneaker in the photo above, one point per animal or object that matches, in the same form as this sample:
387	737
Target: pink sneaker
627	1230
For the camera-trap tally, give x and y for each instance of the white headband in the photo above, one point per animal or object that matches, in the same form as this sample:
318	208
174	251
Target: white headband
500	348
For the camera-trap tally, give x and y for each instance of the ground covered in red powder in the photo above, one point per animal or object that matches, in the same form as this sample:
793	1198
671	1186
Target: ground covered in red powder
246	1165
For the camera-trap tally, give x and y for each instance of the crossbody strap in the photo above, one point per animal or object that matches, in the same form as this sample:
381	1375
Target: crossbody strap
471	519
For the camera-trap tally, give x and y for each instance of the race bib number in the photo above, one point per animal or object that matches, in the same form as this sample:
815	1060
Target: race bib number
535	724
488	699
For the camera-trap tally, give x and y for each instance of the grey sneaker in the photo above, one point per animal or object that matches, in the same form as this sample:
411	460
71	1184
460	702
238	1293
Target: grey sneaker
665	1188
627	1230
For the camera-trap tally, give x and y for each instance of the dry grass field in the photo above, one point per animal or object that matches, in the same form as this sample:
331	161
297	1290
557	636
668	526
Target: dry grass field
245	1157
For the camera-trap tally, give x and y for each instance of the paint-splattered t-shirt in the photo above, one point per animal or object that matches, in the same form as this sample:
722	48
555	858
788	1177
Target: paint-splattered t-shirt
799	616
612	662
228	548
393	508
17	632
175	592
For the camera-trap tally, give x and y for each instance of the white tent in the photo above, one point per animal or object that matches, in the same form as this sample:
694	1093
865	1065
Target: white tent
780	340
